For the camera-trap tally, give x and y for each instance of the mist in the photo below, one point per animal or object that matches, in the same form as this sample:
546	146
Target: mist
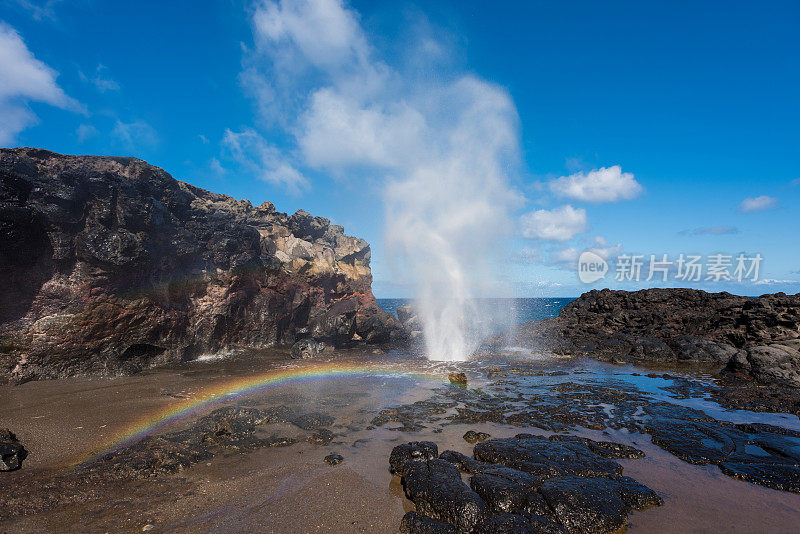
441	142
447	221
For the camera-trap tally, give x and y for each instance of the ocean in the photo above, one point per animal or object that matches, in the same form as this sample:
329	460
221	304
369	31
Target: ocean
530	309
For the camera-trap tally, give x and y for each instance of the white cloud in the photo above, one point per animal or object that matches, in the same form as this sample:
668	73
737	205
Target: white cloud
772	281
216	167
559	224
252	151
134	134
713	230
263	93
761	203
101	81
338	131
23	79
607	184
322	31
564	256
39	10
602	248
567	257
85	131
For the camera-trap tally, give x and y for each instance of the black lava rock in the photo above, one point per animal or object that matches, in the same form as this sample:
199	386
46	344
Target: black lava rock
12	452
436	488
472	436
417	451
414	523
334	459
758	453
544	458
524	484
596	504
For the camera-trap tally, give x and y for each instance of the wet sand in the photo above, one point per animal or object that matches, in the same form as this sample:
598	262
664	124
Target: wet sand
291	489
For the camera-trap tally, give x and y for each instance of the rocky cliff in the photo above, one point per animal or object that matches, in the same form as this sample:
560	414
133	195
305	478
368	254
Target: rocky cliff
758	337
110	265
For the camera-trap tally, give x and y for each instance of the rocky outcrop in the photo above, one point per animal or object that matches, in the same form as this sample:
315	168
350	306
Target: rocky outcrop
758	337
687	314
410	320
777	363
112	266
526	483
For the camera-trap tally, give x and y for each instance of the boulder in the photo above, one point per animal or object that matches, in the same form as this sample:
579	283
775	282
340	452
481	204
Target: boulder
374	325
471	436
334	459
458	379
410	321
538	456
597	504
415	451
437	490
306	348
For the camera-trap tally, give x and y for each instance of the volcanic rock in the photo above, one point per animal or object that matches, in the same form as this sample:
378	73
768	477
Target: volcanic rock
503	488
524	484
755	338
464	463
411	322
758	453
458	379
334	459
777	363
471	436
415	451
307	348
597	504
436	488
669	324
12	452
414	523
112	266
543	458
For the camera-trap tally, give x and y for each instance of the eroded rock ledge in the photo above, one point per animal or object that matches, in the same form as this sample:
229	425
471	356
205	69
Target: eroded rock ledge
754	342
758	337
111	266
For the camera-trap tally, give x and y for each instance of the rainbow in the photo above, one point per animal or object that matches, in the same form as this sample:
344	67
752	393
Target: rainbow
232	389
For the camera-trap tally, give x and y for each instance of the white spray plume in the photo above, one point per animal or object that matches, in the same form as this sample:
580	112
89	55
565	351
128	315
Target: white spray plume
442	140
448	216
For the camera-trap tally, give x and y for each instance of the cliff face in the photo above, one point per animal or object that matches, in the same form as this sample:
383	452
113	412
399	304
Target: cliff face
110	265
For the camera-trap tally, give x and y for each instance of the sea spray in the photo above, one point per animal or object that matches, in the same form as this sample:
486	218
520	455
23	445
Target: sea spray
448	220
443	141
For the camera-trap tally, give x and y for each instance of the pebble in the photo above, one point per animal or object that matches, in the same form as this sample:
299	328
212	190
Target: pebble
334	459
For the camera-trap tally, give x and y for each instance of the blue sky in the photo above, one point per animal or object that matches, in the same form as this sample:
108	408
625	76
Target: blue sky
652	123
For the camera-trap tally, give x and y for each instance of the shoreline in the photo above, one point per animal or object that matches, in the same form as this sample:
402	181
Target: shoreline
288	487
